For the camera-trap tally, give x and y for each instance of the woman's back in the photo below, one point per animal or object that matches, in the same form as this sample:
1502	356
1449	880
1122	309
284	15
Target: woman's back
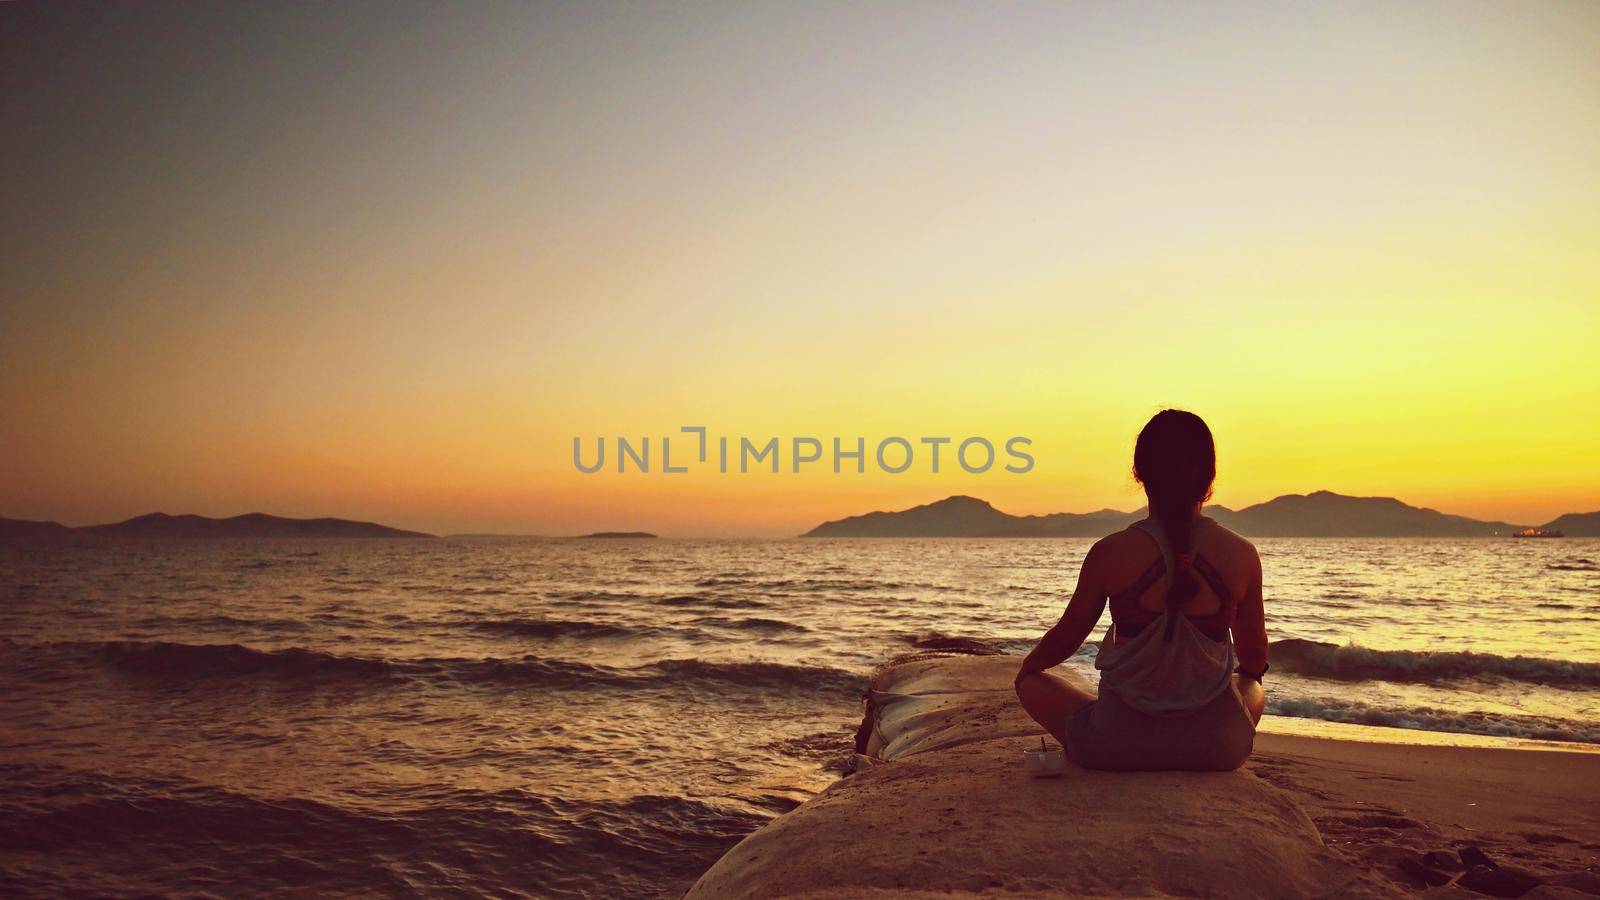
1132	552
1232	600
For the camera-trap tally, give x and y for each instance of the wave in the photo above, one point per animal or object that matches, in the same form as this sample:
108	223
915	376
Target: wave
177	835
851	584
808	585
1579	564
717	601
760	674
567	628
220	621
1352	662
591	596
753	623
554	628
168	659
742	581
176	664
1355	712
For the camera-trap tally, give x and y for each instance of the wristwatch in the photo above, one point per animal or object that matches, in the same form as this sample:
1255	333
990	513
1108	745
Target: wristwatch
1255	675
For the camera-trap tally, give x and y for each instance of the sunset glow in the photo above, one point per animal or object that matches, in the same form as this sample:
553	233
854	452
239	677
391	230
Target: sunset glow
388	266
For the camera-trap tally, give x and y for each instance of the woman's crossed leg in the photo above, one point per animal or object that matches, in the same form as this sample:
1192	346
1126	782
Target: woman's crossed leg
1050	698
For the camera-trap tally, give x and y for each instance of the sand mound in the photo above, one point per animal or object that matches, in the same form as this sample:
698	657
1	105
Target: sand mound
950	810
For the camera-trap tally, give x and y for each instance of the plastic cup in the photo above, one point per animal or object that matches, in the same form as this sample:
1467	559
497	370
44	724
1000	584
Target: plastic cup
1049	762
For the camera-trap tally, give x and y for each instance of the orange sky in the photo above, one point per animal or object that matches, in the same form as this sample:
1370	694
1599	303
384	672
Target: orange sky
332	261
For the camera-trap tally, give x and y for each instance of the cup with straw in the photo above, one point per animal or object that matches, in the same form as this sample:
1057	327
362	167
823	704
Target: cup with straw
1045	761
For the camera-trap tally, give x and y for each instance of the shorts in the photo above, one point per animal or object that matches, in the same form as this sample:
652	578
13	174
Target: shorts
1109	734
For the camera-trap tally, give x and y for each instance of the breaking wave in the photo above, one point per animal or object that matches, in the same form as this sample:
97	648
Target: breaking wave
181	664
1352	662
1429	719
161	832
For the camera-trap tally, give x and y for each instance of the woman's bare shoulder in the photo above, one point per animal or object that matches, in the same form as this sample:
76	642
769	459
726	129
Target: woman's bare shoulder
1123	549
1225	543
1118	542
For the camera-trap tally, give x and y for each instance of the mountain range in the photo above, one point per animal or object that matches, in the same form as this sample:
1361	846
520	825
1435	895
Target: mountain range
1319	514
161	525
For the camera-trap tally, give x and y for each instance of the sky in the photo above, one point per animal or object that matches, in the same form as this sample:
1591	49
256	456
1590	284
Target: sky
386	261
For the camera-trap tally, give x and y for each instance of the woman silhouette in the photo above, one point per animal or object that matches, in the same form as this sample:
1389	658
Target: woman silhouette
1182	662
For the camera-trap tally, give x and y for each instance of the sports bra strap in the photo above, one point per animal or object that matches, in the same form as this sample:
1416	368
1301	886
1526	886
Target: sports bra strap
1218	586
1169	562
1152	527
1136	590
1159	535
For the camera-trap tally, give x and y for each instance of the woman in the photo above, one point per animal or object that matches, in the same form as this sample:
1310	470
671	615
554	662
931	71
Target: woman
1182	662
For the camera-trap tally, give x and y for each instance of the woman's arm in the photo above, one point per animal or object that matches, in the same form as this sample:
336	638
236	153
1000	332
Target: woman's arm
1250	627
1082	612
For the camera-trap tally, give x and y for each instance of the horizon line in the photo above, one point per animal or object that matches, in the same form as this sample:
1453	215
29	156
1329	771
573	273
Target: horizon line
580	533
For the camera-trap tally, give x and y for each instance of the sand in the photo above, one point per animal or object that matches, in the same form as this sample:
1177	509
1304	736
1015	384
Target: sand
1389	805
941	806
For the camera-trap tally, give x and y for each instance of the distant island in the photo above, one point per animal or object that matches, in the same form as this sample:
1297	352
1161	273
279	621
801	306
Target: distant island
570	537
1319	514
163	526
1575	524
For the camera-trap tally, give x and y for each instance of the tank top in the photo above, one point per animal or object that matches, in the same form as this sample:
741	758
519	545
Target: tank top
1171	666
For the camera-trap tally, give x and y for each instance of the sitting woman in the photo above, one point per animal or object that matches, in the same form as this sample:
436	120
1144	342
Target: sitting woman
1182	662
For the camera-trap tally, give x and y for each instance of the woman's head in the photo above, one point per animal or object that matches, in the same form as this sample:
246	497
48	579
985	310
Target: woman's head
1176	461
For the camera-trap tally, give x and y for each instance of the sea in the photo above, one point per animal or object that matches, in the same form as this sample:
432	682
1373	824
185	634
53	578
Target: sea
603	718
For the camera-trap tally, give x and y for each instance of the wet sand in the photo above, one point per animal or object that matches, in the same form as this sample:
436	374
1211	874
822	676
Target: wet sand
940	806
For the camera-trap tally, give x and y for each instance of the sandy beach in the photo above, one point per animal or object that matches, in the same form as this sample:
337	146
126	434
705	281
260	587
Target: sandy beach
940	805
1404	808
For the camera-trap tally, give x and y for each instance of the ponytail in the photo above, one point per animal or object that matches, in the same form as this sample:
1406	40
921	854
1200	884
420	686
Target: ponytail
1177	521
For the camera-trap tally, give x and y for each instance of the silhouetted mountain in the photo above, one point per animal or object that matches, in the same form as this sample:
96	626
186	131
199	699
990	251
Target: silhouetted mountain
951	517
1321	514
618	534
1091	524
161	525
12	530
1326	514
1575	525
962	516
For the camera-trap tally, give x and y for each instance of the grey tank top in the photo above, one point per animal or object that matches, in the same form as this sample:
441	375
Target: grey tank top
1170	668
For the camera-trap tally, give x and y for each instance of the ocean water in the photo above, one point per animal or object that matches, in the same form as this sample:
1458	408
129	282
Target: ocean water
604	718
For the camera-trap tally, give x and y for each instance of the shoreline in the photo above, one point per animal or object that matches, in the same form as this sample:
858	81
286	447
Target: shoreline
1391	735
939	805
